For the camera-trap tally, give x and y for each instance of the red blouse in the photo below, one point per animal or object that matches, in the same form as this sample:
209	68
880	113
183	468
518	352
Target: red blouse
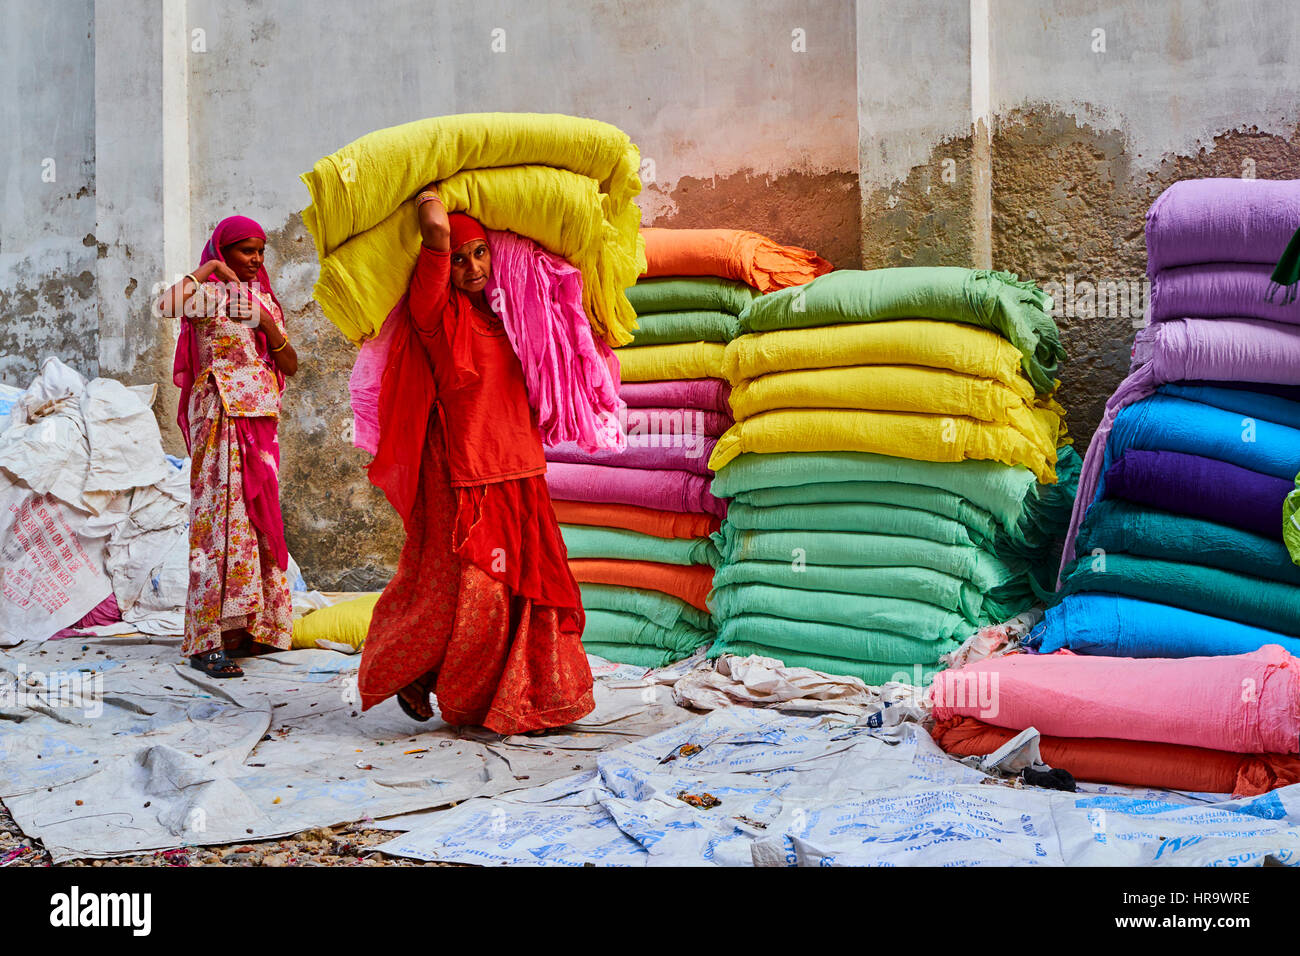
491	431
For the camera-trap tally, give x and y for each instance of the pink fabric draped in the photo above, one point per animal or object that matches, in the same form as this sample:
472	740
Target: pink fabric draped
364	383
257	436
571	377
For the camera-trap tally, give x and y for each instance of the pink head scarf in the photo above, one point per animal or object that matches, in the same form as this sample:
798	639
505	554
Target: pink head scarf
259	444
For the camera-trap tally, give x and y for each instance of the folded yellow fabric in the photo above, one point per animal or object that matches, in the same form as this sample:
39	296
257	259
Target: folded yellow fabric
899	388
925	342
653	363
575	200
900	434
361	184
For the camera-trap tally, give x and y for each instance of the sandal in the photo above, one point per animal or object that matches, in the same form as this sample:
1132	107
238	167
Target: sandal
216	664
410	711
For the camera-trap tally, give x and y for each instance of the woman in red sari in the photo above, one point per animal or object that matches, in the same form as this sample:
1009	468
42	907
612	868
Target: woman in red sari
232	357
483	611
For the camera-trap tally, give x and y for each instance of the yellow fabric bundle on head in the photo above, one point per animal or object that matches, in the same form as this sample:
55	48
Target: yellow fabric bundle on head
565	182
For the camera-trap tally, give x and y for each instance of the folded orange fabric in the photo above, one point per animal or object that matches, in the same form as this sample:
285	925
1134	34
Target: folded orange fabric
1133	763
690	583
661	524
732	254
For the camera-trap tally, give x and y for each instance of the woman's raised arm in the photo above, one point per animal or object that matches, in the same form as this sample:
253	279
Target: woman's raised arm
435	230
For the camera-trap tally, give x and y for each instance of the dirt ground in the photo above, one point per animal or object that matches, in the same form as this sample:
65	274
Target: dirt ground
346	845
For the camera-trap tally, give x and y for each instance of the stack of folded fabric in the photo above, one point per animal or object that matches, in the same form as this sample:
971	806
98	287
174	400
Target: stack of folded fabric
1176	546
637	522
894	468
1206	724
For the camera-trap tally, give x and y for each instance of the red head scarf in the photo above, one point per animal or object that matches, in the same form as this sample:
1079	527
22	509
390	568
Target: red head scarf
465	229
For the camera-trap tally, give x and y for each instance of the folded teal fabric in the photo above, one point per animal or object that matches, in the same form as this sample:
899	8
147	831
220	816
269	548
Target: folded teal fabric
1115	525
872	673
615	627
633	654
832	640
663	609
913	619
1271	605
914	584
592	541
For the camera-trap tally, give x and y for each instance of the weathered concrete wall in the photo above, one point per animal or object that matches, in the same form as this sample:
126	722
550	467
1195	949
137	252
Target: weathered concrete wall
47	182
743	112
879	133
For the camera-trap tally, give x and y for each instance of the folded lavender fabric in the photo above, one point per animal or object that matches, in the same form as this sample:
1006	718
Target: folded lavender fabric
706	393
1201	488
665	489
1219	350
682	453
1214	290
1221	220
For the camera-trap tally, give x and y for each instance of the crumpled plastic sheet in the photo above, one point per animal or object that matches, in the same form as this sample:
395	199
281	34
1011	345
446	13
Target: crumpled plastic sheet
146	753
832	791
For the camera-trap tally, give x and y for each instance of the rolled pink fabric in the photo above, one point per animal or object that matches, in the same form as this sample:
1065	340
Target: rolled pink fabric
1244	703
652	420
688	454
1217	350
706	393
664	489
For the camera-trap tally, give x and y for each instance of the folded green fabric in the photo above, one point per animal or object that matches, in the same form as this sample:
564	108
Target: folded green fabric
831	640
975	565
1113	525
632	654
690	293
999	301
591	541
1268	604
870	613
913	584
1007	492
873	673
666	328
615	627
858	517
663	609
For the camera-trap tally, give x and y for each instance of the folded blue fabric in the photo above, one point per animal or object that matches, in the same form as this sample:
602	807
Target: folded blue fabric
1109	625
1246	402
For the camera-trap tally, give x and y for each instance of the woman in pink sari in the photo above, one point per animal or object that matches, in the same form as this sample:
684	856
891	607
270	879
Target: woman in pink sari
232	357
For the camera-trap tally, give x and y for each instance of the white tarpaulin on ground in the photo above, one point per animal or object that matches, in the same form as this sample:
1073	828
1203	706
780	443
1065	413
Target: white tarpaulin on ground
831	790
123	748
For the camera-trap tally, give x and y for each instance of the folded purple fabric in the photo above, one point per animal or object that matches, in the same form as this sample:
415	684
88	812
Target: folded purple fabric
689	453
1214	290
1221	220
1220	350
664	489
1201	488
706	393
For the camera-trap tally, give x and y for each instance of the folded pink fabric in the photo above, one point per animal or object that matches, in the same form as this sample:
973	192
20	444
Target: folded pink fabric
1234	290
706	393
689	453
664	489
1245	703
363	384
653	421
572	378
1216	350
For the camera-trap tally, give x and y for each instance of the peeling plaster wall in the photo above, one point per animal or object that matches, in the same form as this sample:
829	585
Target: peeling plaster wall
863	146
47	243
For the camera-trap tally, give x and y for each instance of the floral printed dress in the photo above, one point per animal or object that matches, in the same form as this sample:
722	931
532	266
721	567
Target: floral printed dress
236	587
